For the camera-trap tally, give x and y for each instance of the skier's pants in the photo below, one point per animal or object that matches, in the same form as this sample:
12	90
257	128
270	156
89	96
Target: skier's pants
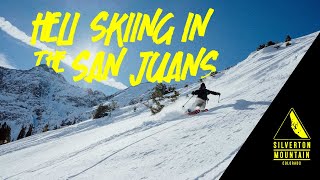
199	103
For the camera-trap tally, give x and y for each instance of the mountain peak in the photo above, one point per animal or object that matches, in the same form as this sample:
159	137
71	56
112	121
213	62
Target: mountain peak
45	68
40	96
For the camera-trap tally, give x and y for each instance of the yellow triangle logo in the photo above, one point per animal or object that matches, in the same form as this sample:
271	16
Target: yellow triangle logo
292	128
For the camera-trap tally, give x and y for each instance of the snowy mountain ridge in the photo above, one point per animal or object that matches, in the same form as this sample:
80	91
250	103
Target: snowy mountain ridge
40	96
170	144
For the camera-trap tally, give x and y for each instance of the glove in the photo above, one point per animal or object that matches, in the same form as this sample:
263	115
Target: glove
218	93
192	93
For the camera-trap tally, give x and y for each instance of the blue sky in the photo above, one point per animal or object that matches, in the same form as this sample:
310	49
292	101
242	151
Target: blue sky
235	29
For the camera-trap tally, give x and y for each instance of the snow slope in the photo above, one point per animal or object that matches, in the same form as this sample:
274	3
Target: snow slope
168	145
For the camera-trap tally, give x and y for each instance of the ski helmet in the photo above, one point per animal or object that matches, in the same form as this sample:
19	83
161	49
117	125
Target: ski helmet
203	86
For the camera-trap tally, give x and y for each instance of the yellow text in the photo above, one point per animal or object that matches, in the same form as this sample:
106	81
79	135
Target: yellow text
177	70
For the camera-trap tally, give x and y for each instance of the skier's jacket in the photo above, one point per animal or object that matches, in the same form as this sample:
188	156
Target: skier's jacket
203	92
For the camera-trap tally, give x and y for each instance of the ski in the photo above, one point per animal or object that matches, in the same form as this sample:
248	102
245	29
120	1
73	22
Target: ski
196	111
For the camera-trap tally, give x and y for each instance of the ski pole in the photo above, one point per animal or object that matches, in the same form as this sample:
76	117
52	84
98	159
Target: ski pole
187	101
219	99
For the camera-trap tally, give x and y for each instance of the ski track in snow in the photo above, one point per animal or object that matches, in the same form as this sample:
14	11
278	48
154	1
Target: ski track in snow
231	155
167	145
118	151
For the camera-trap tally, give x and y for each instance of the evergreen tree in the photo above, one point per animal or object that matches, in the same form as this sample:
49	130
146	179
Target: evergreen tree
288	38
102	110
46	128
22	133
29	133
261	46
5	133
270	43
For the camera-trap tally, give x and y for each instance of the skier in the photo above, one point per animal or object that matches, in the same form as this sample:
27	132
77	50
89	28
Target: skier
202	97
